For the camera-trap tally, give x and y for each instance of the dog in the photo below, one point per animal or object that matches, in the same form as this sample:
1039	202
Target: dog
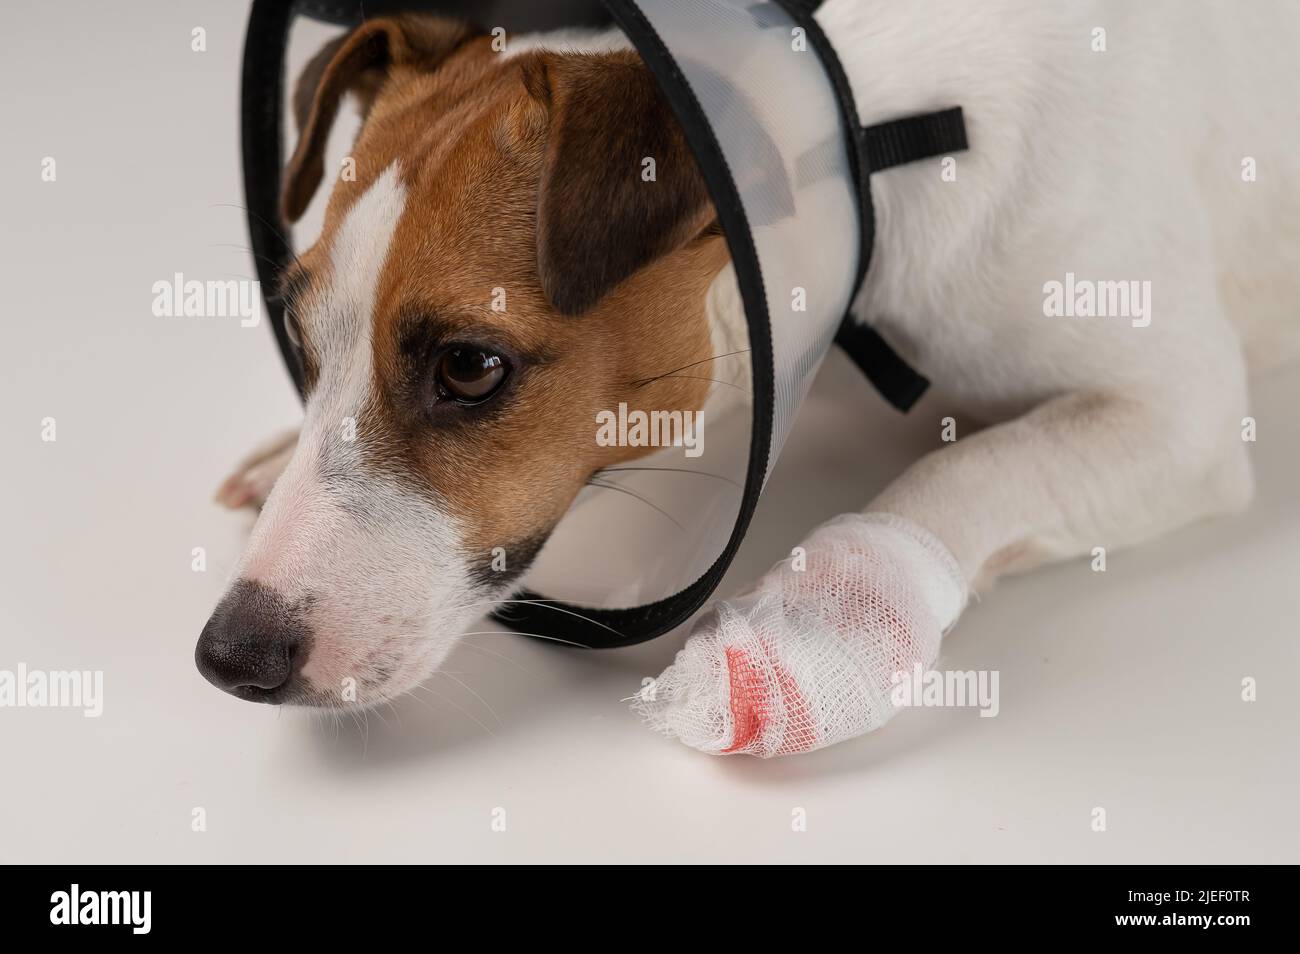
1119	250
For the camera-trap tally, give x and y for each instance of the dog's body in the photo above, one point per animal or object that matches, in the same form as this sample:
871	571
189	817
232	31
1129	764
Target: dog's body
1123	164
1111	157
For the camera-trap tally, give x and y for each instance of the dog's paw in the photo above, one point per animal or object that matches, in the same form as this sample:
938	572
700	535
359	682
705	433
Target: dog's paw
808	657
252	480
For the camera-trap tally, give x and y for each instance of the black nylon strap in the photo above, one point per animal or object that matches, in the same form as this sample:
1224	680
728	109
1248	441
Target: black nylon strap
806	6
885	146
911	138
872	149
896	380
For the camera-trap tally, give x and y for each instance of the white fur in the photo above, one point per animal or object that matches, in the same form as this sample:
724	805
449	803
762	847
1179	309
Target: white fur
1122	164
378	569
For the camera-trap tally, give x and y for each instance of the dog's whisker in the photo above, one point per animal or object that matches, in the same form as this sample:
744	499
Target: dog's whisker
244	248
380	716
667	470
451	702
498	632
549	605
288	246
698	377
512	632
641	382
470	690
632	493
488	651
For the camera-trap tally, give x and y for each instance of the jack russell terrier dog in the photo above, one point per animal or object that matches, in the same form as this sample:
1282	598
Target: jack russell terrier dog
1166	157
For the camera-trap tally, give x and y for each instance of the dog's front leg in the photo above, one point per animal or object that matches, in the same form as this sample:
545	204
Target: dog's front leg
808	656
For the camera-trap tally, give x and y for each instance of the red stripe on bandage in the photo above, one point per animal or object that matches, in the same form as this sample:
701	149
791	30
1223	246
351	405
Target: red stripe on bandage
749	700
753	701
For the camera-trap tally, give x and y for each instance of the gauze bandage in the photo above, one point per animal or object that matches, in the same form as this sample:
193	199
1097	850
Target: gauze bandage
808	656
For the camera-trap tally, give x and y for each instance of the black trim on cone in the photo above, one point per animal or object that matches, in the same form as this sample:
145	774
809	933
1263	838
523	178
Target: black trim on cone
261	98
598	627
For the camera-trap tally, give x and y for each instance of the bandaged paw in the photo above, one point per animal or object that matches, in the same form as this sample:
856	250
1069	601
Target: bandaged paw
808	656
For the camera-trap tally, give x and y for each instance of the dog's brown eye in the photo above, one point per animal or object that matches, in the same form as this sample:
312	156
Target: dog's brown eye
469	375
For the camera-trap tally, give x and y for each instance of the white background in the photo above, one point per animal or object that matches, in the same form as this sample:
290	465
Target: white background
1119	690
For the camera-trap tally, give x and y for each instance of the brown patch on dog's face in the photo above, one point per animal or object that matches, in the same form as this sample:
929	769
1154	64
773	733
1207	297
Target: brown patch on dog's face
530	235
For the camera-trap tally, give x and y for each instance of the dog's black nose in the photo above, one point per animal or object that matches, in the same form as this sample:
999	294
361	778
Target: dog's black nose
254	645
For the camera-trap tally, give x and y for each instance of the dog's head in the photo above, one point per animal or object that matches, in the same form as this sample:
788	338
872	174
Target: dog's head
515	243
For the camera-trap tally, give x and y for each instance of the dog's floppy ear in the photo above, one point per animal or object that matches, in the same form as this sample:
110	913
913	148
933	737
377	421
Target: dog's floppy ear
619	187
358	62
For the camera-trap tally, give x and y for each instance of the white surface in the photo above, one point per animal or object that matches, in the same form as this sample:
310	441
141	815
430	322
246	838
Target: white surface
1119	690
